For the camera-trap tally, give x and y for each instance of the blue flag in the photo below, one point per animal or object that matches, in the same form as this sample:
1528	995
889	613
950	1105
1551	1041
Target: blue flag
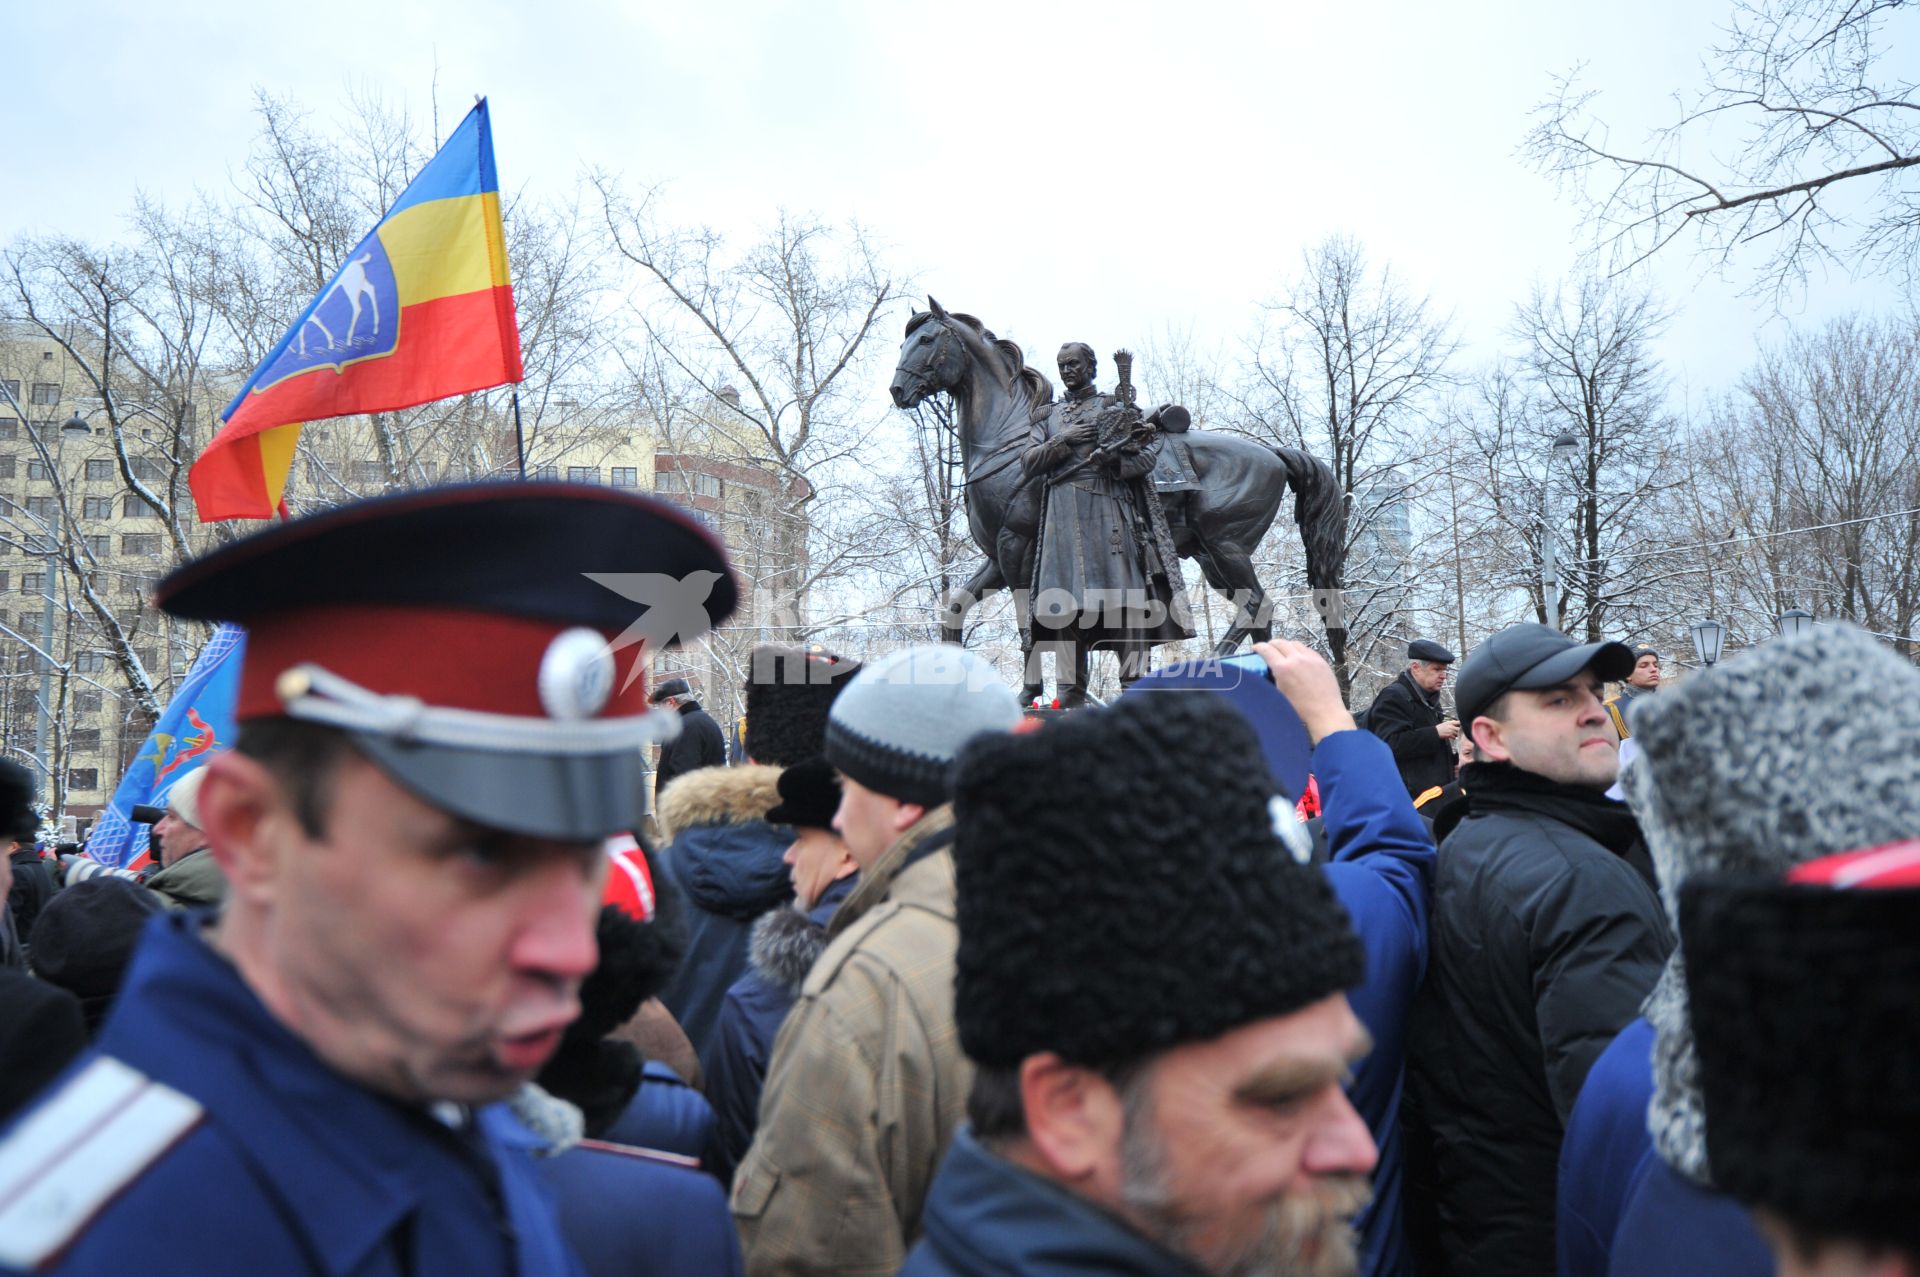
197	721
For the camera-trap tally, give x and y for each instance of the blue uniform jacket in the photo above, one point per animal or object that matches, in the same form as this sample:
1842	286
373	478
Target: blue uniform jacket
199	1135
629	1211
986	1217
665	1114
1624	1210
1381	868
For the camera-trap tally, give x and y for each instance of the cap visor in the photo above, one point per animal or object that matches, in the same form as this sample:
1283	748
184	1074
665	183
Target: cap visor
1610	661
572	798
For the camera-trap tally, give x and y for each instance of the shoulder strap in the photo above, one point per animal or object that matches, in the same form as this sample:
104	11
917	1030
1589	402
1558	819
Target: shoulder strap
78	1149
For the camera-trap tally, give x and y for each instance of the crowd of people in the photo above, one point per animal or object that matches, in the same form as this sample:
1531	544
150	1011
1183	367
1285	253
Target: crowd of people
1214	980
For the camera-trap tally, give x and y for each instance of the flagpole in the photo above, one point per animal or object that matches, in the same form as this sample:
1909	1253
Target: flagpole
519	440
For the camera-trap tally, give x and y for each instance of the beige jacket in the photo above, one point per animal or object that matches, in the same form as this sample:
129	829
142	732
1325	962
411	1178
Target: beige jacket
867	1081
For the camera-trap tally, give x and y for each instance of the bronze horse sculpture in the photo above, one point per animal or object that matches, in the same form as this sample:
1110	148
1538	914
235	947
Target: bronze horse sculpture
1241	482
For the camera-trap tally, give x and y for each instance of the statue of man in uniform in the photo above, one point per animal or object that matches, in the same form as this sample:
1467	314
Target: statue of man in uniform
1105	573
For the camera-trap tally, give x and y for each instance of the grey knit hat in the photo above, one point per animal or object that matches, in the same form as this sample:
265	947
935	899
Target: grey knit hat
900	722
1796	749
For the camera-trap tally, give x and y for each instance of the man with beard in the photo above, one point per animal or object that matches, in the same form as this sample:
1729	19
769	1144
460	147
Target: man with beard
1546	935
1157	1009
434	744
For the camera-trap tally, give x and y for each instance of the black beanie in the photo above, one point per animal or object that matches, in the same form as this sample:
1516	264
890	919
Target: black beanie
1122	890
1801	998
789	690
809	796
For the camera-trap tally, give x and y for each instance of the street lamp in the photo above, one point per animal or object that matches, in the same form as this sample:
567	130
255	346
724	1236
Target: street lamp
1565	445
73	427
1793	622
1709	637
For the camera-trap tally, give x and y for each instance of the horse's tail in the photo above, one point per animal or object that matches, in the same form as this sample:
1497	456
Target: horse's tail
1320	508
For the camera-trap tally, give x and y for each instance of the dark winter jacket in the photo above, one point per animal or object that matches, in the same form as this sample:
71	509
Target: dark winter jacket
629	1211
1622	1209
700	743
1381	869
986	1217
41	1031
1545	940
32	888
1407	717
784	945
665	1115
724	862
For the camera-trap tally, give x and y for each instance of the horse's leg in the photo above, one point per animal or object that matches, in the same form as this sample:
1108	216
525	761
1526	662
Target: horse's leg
1252	610
959	602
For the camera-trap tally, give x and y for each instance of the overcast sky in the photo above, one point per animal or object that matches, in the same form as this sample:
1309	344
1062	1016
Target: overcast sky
1101	172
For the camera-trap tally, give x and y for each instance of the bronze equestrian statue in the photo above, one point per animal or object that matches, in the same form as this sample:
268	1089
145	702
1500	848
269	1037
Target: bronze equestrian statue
1218	493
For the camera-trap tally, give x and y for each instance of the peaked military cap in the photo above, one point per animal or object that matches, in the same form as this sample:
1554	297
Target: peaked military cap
481	643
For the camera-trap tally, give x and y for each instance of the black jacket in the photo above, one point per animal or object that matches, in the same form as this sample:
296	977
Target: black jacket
32	888
1546	937
1406	717
700	743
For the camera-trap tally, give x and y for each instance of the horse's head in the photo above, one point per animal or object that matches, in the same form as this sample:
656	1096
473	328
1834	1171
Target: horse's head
932	358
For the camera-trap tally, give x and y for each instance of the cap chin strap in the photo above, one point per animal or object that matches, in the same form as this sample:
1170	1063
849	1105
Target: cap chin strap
311	693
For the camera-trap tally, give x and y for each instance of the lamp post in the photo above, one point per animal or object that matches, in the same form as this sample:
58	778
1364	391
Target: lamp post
1794	622
1564	446
73	426
1709	637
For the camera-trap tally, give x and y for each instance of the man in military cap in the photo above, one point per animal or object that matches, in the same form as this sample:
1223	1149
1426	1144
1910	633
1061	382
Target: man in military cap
433	746
1408	715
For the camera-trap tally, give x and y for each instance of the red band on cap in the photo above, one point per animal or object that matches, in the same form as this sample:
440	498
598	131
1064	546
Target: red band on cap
483	661
1897	864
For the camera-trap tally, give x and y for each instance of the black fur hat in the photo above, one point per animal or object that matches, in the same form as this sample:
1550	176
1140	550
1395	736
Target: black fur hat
1801	998
1122	889
809	796
789	690
18	820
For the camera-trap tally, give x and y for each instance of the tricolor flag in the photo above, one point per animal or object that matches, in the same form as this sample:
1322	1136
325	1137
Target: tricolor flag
421	310
197	722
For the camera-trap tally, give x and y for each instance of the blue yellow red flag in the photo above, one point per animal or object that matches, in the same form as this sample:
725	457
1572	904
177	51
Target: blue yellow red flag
422	309
197	722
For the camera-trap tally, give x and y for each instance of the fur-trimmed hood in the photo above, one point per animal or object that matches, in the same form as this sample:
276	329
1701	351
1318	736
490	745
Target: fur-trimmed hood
786	942
719	796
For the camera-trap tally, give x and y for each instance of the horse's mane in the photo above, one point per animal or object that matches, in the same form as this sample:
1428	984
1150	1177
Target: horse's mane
1039	389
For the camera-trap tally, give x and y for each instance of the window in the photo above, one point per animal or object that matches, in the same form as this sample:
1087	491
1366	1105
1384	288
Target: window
134	508
43	507
3	578
97	507
148	470
45	392
583	474
87	738
6	467
83	778
99	544
13	389
546	472
140	543
37	469
87	700
9	429
90	662
139	584
626	476
33	583
99	467
369	472
704	485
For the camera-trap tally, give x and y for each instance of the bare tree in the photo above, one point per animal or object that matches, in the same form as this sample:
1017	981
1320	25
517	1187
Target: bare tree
1811	483
1348	365
1802	144
1588	369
